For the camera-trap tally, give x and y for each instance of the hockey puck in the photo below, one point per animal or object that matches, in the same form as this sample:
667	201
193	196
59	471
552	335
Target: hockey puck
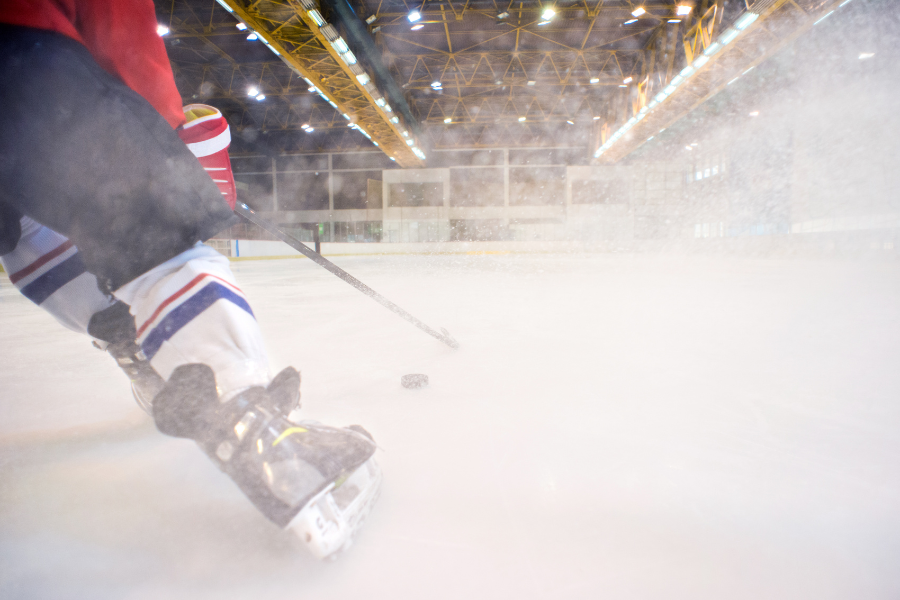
414	380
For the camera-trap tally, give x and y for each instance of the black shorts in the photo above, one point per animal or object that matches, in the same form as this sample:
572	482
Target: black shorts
83	154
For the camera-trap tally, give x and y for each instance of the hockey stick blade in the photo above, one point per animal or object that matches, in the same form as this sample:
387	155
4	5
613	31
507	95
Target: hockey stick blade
246	213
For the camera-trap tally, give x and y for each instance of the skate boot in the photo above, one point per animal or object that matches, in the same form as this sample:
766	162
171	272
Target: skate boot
114	332
319	482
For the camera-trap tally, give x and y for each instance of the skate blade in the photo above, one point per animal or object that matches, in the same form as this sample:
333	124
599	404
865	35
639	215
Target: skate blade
329	522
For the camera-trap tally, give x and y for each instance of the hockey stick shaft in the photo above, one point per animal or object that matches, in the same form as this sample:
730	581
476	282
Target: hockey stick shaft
243	211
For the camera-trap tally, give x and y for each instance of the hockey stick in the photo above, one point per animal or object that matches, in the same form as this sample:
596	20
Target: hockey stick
244	211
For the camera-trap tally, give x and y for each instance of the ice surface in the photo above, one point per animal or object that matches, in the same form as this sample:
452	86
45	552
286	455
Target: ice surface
611	427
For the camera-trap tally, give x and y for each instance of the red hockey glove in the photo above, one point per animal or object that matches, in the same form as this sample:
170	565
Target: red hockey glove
207	135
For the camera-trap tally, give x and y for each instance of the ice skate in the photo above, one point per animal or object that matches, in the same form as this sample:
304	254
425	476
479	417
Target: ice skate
317	481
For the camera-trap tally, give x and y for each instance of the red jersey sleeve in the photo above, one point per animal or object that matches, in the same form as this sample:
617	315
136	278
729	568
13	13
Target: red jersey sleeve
121	36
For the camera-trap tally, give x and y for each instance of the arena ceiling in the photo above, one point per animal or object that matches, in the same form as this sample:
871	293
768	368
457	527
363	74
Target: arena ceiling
409	78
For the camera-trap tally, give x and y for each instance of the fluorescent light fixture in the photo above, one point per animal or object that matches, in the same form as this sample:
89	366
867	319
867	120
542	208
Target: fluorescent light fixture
746	20
340	45
638	11
395	120
503	15
824	17
687	71
651	137
379	101
700	61
392	158
346	116
374	142
644	110
570	122
688	148
596	118
628	80
729	35
733	80
225	6
448	120
866	55
623	85
409	142
674	20
531	83
387	108
241	27
521	119
364	78
253	91
416	27
677	80
162	30
653	104
309	130
748	70
660	97
349	57
630	22
755	113
253	37
371	20
712	49
548	14
843	3
316	16
261	97
543	22
670	89
595	80
436	84
683	9
413	16
405	133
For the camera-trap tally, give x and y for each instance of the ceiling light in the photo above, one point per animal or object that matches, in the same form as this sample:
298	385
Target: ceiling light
595	80
261	97
628	80
395	120
755	113
252	37
733	80
548	14
371	20
521	119
688	148
596	118
630	22
866	55
241	27
309	130
747	18
364	78
409	142
416	27
448	120
543	22
162	30
436	85
682	9
674	20
823	18
531	83
414	16
253	91
570	122
623	85
405	134
638	11
305	126
694	144
503	15
317	17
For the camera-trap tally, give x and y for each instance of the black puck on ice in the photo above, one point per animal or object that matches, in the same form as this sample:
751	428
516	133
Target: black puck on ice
414	380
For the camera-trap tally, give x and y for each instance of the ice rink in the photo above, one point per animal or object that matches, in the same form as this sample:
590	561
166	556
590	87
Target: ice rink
612	426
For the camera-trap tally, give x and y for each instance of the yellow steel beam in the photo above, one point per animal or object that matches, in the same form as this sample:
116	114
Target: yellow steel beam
778	23
306	47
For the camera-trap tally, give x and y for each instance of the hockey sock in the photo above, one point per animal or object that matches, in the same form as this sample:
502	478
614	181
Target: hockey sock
47	268
189	310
